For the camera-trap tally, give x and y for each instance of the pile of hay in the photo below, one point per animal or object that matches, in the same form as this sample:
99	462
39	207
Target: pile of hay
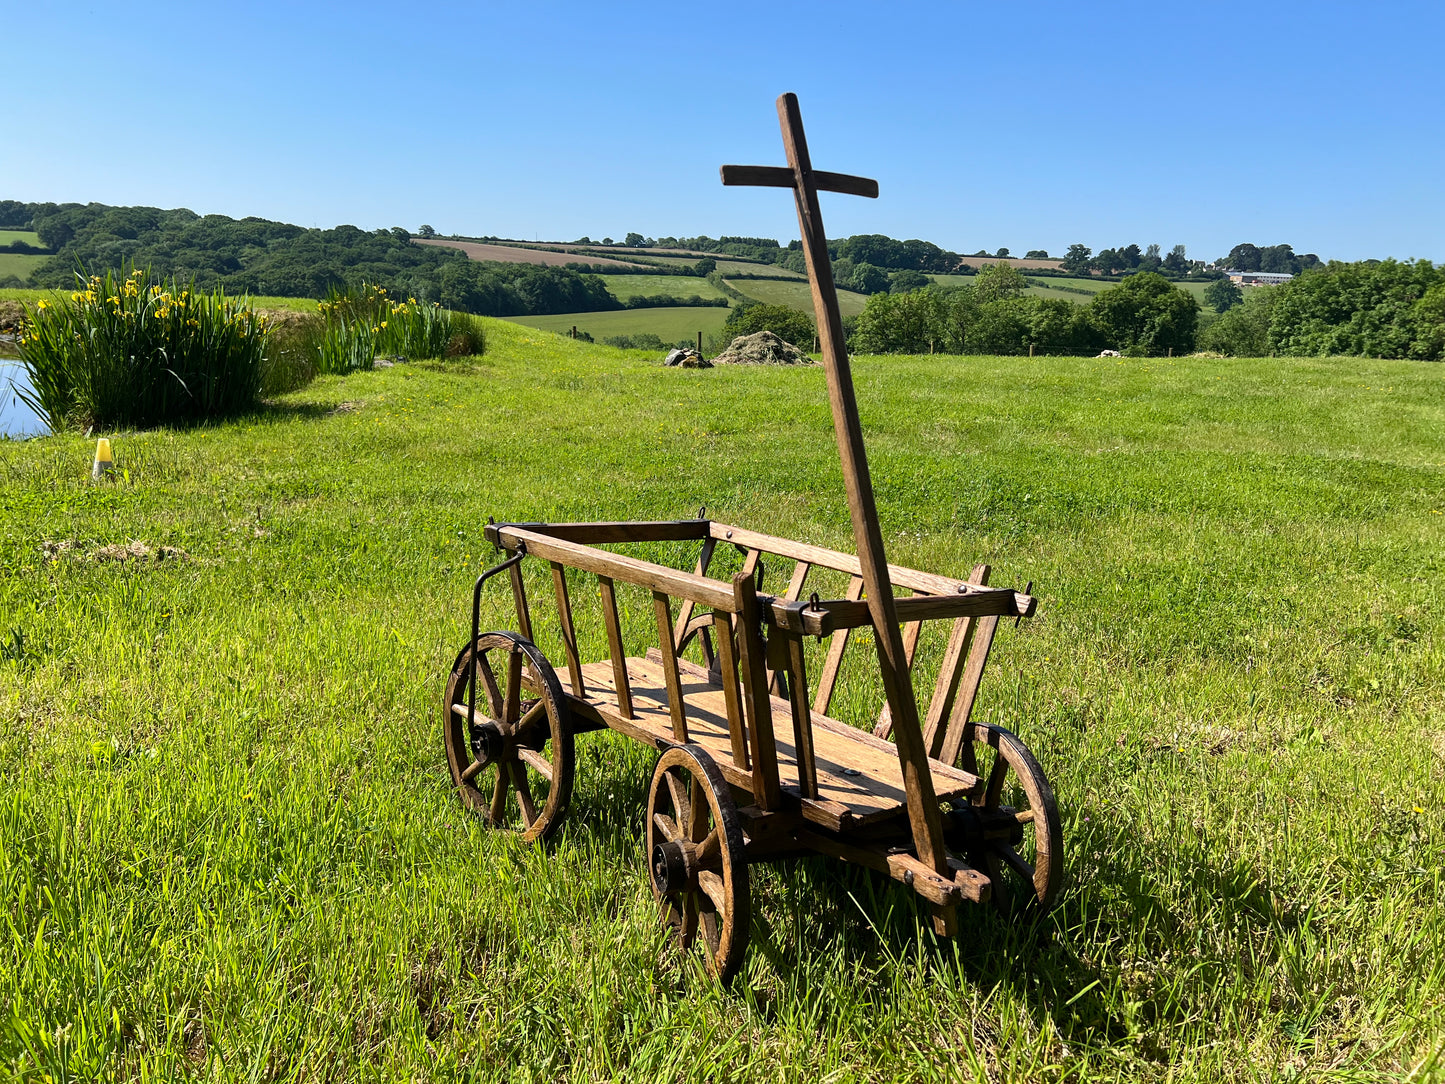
764	348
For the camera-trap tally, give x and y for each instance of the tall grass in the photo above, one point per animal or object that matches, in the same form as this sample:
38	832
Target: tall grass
139	351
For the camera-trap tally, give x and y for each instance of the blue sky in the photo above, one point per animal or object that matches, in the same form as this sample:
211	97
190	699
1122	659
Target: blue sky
1031	125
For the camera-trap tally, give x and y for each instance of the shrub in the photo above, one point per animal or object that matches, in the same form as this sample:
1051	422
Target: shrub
138	351
643	340
1243	331
908	323
790	325
467	337
1146	310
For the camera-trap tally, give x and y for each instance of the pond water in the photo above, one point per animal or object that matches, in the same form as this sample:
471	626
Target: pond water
16	419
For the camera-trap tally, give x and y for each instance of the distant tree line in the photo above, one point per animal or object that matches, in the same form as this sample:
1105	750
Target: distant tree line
253	255
1145	314
1381	309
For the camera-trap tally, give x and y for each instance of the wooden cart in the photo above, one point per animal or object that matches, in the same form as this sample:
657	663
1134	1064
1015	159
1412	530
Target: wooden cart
751	766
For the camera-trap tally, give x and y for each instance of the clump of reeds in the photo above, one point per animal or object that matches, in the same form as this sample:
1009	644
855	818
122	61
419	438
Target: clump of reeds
357	326
130	350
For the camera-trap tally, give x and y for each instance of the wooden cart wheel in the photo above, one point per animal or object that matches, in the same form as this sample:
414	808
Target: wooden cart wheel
514	759
695	857
1021	848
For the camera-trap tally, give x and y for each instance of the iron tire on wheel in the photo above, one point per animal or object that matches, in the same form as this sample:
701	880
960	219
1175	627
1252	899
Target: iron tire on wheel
1027	873
694	849
519	740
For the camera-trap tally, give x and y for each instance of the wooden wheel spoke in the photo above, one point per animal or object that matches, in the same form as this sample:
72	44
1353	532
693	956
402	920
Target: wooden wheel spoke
473	770
677	789
512	705
667	827
530	718
534	760
489	685
993	790
1015	862
698	811
709	851
714	889
524	792
498	808
1024	816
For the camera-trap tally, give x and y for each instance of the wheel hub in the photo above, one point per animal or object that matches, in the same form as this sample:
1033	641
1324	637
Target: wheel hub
669	868
486	742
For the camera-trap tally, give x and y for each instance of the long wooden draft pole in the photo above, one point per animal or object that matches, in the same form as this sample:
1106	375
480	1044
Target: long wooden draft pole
805	182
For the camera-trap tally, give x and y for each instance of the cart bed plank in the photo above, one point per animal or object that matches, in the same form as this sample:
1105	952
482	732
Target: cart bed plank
875	793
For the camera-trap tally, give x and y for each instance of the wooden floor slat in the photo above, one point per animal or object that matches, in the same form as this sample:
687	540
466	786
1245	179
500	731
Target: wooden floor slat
856	771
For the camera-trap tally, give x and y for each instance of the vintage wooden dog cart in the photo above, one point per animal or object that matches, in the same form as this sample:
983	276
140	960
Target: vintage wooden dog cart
752	768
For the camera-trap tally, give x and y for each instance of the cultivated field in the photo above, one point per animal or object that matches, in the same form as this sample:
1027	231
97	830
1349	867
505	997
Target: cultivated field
624	286
741	267
513	254
229	846
796	295
669	324
1015	261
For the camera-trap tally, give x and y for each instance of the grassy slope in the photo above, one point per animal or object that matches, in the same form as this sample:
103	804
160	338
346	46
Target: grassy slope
227	831
10	237
624	286
797	295
671	324
20	265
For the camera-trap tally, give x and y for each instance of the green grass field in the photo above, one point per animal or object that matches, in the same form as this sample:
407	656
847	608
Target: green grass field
229	846
624	286
20	265
10	237
669	324
796	295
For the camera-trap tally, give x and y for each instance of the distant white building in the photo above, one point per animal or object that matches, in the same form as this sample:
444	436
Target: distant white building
1258	278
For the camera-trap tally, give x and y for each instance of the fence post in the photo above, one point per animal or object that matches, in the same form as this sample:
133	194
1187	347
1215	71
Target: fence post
1031	349
574	331
699	342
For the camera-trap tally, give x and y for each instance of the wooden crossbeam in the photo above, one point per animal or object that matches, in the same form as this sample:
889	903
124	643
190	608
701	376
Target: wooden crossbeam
923	813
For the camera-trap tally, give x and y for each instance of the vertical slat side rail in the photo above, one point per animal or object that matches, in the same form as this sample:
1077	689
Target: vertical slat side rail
684	614
569	633
958	726
940	705
663	607
802	717
828	678
728	667
614	645
519	597
884	726
795	589
758	710
750	562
